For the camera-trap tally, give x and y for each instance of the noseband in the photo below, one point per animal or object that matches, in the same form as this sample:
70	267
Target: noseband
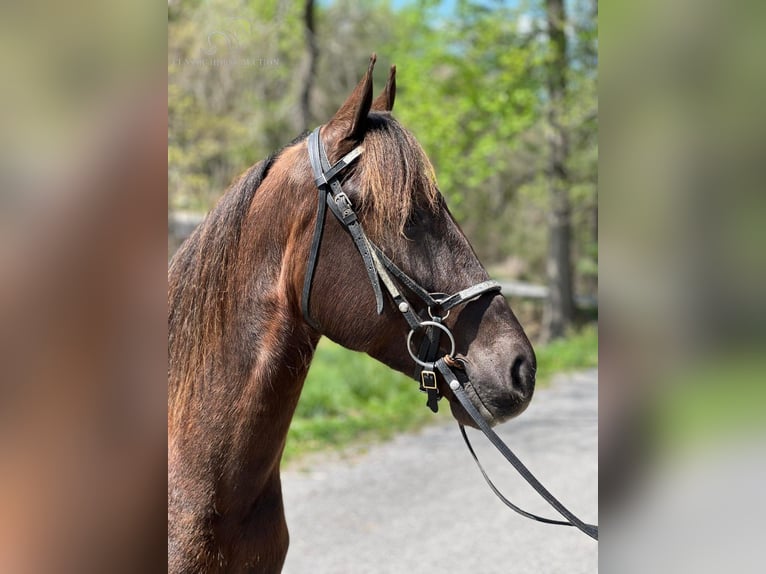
380	269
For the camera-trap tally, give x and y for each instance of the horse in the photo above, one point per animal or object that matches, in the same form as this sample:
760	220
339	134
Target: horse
240	340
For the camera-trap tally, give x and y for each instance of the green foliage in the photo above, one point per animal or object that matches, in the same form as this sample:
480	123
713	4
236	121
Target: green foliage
231	92
578	351
467	95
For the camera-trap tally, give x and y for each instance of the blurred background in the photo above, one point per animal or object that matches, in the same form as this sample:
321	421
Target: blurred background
682	200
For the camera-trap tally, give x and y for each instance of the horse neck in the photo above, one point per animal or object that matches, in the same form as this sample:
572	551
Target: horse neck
234	427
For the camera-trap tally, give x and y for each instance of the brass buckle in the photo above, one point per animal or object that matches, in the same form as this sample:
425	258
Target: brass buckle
428	380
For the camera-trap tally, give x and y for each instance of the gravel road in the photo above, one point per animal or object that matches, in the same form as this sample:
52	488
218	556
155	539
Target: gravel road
417	504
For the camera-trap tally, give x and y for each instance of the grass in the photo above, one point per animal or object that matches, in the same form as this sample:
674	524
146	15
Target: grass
349	398
578	351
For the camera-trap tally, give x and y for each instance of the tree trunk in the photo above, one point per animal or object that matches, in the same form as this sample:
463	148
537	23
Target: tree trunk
308	70
559	309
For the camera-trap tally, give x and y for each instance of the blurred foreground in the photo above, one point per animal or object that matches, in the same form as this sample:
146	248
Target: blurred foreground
683	315
83	296
83	180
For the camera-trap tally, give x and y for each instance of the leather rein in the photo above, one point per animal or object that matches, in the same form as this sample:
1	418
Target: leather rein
429	358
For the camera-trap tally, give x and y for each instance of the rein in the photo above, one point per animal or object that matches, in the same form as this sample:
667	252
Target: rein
380	269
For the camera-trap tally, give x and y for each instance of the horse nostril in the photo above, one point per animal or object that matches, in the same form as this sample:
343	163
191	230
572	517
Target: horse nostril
523	372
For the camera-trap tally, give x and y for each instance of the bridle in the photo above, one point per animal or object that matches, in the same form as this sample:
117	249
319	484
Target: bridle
380	269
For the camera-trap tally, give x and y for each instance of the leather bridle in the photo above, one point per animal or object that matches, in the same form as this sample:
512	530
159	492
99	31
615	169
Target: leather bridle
380	269
429	358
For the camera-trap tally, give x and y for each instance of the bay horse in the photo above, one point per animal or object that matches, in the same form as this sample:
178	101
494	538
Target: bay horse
240	343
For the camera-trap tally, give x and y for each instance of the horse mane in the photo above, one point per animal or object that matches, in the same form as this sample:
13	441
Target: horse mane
390	194
199	298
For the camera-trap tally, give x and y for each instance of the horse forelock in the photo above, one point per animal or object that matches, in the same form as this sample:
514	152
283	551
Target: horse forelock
395	176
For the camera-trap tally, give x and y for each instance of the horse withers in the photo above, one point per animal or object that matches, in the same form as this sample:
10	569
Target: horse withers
240	342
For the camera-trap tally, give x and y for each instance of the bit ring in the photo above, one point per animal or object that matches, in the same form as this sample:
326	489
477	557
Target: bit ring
429	324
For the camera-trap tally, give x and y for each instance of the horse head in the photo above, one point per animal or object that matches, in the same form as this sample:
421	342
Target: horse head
392	188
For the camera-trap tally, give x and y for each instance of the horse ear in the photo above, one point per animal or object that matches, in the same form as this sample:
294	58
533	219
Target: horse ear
348	121
385	101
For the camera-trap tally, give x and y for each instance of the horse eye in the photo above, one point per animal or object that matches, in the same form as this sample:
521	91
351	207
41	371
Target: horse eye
414	222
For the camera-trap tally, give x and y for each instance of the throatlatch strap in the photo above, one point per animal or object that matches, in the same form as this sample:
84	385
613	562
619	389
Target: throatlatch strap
313	254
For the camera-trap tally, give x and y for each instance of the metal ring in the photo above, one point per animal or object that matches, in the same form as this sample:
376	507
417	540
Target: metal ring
437	317
429	324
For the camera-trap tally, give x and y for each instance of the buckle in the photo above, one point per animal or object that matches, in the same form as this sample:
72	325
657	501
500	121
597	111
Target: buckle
346	208
427	381
342	201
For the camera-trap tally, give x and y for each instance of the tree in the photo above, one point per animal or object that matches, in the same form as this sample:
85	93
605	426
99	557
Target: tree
308	70
559	309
